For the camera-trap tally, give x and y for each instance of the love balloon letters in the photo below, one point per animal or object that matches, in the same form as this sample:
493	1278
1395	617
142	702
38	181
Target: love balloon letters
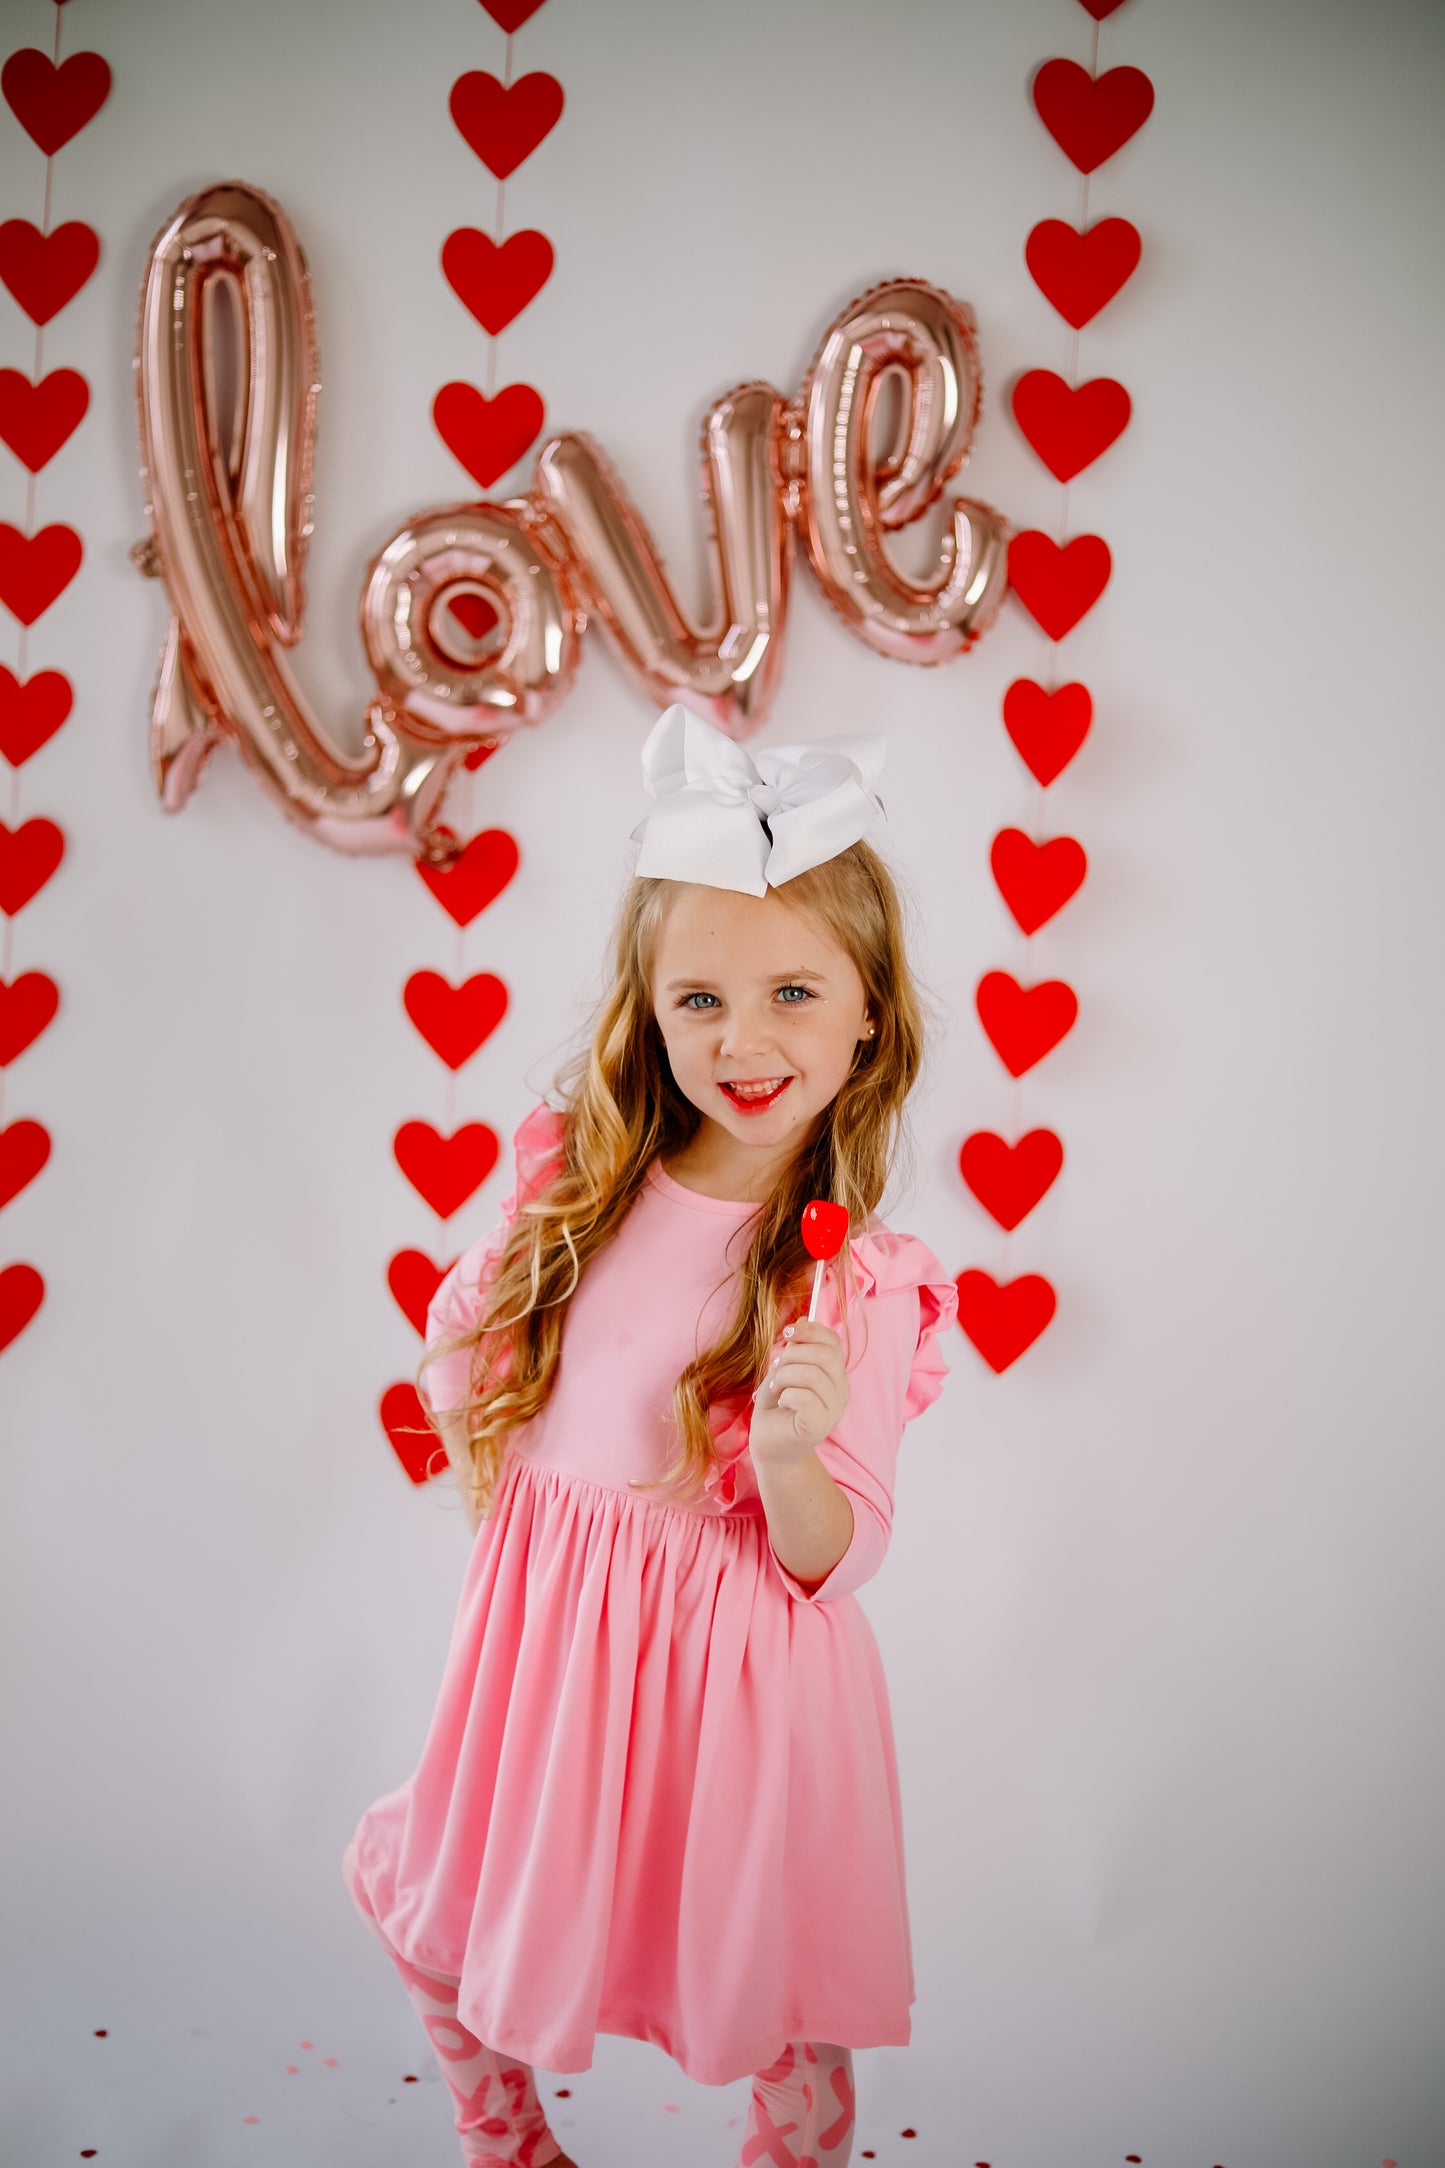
472	615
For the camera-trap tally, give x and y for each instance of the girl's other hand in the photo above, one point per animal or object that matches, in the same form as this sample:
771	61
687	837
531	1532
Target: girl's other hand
802	1397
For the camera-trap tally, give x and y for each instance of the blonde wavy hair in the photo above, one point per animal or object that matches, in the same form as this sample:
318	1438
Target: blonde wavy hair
622	1109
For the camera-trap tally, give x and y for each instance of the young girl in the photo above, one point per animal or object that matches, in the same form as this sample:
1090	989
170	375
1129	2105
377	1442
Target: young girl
658	1796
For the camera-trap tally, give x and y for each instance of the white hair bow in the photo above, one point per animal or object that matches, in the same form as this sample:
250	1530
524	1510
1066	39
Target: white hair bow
712	801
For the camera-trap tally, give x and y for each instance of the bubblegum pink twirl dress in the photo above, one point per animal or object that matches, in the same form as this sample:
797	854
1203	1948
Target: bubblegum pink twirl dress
658	1794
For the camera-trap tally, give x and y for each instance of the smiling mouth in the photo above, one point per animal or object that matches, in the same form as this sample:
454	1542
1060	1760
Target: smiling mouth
754	1095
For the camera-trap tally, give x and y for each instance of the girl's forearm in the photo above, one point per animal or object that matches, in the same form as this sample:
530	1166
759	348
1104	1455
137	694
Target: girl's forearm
810	1521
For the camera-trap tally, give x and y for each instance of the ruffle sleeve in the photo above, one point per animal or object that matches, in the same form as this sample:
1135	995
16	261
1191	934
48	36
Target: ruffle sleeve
457	1303
896	1369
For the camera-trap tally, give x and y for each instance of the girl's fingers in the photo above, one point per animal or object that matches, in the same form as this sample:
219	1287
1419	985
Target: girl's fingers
805	1332
795	1371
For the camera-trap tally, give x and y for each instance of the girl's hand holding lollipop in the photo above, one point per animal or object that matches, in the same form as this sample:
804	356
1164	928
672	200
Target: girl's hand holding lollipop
801	1398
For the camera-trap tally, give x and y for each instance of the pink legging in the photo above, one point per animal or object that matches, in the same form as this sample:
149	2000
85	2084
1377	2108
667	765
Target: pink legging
800	2114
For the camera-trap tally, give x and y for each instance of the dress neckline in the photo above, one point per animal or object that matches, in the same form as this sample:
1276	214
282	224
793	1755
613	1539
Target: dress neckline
737	1207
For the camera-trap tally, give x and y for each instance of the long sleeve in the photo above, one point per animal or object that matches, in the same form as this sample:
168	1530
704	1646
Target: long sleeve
454	1308
458	1301
909	1299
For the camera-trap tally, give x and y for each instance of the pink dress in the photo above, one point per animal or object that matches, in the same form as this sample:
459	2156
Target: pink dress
658	1794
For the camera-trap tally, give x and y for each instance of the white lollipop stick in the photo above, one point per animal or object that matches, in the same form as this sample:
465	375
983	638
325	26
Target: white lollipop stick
817	1288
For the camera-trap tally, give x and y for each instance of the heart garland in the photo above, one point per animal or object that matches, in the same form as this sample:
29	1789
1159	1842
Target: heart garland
31	710
1036	879
1091	117
1068	425
29	855
1003	1319
1080	273
413	1280
53	104
43	269
504	122
509	15
1009	1179
455	1020
22	1290
24	1149
496	280
445	1170
36	568
1023	1023
27	1005
1058	583
476	876
36	419
1047	728
487	435
413	1440
495	277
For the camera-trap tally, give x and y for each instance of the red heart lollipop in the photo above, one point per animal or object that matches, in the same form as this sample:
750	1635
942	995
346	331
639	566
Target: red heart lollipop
825	1228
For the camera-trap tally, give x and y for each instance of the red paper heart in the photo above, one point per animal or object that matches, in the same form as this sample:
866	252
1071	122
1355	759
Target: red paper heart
1080	272
445	1170
24	1149
476	876
1022	1023
1097	8
1069	426
29	855
496	283
413	1280
1047	728
45	270
21	1293
455	1020
26	1006
509	15
1003	1319
487	435
504	124
35	568
1056	586
413	1439
825	1228
1036	879
36	419
31	710
1009	1179
53	104
1091	116
474	614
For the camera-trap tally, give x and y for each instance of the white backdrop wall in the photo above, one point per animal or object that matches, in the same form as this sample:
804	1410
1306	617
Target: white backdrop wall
1162	1613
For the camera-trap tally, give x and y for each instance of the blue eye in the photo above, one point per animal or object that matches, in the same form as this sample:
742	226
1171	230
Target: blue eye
804	993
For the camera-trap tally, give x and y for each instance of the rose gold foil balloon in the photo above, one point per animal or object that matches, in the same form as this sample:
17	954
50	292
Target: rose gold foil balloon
472	614
226	385
850	496
450	669
727	669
